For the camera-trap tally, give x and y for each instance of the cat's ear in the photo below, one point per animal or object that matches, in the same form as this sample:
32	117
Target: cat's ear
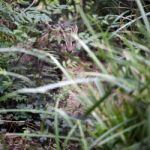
75	29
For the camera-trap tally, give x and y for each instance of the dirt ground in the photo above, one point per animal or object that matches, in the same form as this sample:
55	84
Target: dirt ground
72	101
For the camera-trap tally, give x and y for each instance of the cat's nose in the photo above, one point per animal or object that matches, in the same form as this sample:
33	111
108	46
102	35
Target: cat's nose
70	48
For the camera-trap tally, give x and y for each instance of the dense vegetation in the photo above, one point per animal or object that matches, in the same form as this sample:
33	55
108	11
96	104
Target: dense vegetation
37	74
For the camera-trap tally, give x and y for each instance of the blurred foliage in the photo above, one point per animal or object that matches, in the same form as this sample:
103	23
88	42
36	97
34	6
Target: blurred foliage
117	112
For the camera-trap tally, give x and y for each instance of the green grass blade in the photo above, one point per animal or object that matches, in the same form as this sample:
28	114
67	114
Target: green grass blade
83	139
145	19
96	104
101	142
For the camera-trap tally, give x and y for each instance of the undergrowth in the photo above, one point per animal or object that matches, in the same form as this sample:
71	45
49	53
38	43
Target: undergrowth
115	96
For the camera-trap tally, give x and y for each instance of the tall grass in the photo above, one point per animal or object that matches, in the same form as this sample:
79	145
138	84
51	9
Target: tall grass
118	116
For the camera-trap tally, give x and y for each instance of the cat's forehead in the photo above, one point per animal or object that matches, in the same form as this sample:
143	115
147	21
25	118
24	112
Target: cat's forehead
63	31
64	27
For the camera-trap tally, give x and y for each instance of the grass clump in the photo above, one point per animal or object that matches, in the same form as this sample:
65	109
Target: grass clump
114	96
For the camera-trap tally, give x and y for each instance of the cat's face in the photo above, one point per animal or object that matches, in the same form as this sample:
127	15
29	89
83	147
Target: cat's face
62	34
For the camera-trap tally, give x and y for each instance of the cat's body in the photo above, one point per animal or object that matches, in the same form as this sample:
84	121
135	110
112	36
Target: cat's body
57	40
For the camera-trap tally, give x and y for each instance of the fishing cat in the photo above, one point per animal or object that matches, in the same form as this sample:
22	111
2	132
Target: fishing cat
57	40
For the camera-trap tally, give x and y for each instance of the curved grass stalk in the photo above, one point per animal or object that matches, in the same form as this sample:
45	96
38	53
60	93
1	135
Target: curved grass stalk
128	24
16	75
40	135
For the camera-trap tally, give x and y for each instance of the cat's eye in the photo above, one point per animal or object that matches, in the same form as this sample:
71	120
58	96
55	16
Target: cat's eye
73	42
62	42
53	41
